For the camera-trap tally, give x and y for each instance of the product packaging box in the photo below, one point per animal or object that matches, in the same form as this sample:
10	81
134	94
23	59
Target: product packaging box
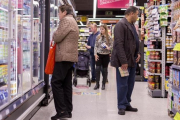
174	77
175	57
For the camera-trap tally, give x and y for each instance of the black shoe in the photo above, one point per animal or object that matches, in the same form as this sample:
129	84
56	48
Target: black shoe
60	116
103	86
121	112
93	81
107	81
97	86
70	115
129	108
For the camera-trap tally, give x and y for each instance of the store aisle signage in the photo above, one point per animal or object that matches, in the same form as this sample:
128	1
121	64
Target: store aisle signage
114	3
109	21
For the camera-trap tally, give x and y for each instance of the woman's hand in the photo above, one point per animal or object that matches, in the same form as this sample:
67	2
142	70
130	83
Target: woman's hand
108	48
96	57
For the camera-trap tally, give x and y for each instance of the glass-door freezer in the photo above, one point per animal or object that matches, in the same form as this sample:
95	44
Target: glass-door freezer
8	53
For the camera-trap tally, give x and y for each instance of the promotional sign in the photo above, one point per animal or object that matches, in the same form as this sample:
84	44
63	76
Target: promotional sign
114	3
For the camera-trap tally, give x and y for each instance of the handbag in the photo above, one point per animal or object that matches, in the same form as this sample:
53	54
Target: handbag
51	59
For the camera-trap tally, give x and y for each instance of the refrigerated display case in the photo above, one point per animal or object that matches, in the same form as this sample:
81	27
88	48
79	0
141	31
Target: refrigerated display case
21	56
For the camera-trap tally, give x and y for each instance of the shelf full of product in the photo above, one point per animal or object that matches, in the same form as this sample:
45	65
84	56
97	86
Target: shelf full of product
84	33
173	85
159	54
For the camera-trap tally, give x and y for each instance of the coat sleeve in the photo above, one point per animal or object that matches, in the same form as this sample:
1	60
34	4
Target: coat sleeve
62	31
119	41
96	46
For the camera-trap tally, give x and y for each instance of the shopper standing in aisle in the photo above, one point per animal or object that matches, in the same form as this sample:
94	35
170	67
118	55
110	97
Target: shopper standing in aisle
102	50
66	39
90	46
125	54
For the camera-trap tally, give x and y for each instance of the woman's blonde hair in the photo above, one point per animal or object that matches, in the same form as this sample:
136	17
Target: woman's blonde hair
106	33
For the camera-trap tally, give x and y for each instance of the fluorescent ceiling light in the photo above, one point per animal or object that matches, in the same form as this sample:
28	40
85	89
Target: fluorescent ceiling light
123	9
56	7
134	4
91	19
81	23
94	8
120	16
76	11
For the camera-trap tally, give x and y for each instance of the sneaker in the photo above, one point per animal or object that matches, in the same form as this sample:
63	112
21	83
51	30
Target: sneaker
70	115
131	109
60	116
121	112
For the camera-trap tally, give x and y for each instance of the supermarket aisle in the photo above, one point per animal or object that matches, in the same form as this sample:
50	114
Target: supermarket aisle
102	105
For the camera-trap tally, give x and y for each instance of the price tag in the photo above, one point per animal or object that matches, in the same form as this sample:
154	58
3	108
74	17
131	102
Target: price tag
14	106
142	8
7	111
148	53
177	116
21	100
27	96
177	47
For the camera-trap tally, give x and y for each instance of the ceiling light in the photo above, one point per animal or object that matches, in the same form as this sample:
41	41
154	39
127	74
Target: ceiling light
134	4
94	8
76	12
123	9
121	16
81	23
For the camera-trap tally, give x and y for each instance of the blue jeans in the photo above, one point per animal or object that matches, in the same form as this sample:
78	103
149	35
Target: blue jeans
93	71
125	86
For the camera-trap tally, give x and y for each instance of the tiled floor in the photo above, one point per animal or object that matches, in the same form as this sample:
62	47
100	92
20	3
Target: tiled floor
102	105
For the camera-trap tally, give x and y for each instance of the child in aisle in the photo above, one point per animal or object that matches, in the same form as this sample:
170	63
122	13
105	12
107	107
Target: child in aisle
103	47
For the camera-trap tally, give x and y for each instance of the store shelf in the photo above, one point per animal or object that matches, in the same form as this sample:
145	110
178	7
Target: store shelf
3	9
175	88
3	62
169	34
154	73
155	93
174	111
149	60
175	67
154	50
170	47
169	62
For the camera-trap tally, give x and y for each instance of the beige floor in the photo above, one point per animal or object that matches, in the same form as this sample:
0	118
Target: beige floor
102	105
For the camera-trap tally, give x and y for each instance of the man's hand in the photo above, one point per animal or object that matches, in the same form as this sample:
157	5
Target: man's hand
124	67
96	57
88	47
138	58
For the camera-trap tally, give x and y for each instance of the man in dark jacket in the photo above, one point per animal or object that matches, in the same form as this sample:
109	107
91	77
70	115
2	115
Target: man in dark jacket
125	54
90	46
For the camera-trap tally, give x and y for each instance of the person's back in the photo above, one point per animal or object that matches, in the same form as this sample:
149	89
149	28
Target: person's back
67	50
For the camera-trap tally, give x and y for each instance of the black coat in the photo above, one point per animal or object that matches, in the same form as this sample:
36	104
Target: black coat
124	45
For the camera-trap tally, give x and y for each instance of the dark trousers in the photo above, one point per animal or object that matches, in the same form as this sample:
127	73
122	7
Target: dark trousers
125	86
101	66
93	74
62	86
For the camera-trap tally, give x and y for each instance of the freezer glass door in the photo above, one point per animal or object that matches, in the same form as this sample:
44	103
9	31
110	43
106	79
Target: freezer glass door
4	45
24	44
38	52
